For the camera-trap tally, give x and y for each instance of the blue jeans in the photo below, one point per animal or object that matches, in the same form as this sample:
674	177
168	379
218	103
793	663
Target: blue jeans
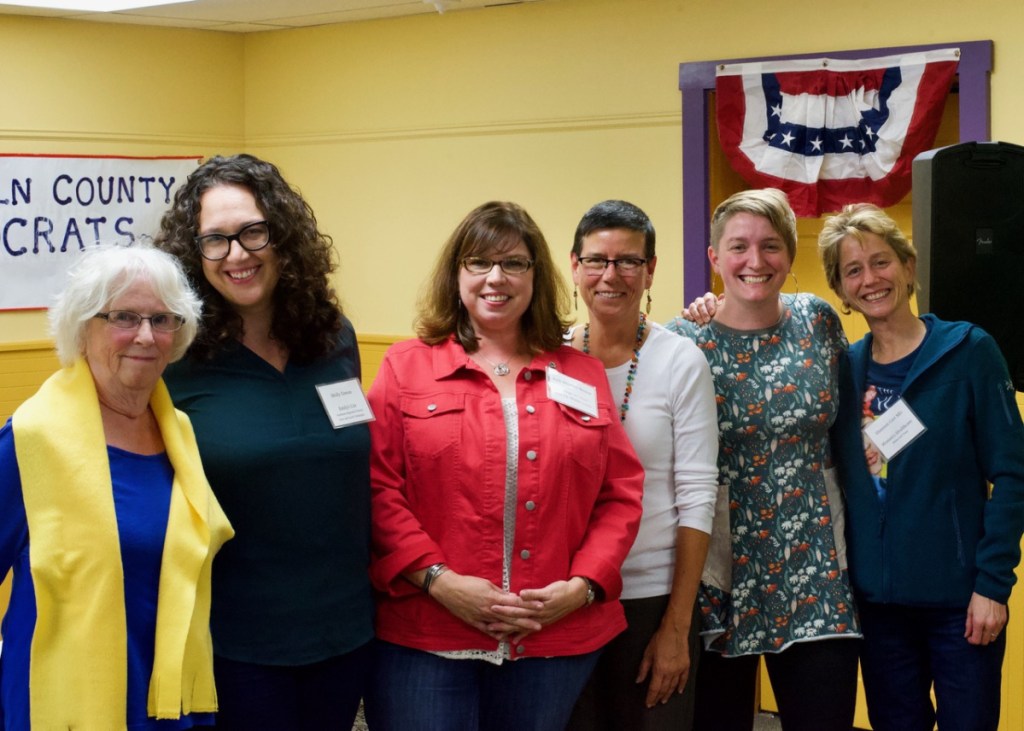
322	695
413	690
906	649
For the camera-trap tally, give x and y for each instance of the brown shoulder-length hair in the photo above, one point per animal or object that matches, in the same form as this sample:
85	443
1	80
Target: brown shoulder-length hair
494	228
307	315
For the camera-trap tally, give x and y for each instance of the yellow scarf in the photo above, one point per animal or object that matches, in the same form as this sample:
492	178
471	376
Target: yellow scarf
78	676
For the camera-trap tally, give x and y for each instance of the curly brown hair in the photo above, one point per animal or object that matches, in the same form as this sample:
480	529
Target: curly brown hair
307	314
494	227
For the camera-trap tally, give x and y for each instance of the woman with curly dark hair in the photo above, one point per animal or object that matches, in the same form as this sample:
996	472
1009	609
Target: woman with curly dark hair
292	609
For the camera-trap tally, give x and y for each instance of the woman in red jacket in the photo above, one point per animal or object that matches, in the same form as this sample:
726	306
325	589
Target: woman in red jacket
505	495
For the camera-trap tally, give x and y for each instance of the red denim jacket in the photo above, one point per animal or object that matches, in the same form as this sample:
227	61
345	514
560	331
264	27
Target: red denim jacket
438	485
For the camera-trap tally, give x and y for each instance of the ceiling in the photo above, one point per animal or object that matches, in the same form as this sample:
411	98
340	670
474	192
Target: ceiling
247	16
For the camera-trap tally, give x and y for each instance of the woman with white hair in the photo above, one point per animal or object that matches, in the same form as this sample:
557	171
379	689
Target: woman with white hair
106	516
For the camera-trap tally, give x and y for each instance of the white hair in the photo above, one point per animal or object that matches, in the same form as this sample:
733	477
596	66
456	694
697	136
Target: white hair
105	272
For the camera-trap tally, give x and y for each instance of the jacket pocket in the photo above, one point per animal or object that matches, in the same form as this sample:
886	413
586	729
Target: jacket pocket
433	423
587	442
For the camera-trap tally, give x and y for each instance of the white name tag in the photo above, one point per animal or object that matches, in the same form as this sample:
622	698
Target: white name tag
571	392
345	403
894	430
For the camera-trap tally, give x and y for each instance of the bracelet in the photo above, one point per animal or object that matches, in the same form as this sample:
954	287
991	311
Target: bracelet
432	573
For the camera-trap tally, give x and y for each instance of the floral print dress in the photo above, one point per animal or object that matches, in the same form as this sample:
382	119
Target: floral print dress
781	575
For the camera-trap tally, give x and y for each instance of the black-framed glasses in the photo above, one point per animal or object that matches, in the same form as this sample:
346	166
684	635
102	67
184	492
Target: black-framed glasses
167	322
597	264
252	237
509	265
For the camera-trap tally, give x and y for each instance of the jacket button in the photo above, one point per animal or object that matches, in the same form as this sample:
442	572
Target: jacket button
531	455
530	505
585	417
520	649
432	407
528	375
524	554
530	409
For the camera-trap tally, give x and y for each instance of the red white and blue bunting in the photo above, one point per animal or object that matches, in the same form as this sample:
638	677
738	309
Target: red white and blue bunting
830	131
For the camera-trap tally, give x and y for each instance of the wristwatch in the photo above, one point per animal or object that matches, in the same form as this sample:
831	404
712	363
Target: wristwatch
591	594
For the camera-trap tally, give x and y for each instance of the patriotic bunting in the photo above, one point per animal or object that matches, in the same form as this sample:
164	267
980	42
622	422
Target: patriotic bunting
829	131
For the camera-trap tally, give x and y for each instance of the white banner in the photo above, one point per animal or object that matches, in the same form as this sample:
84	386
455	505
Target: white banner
52	208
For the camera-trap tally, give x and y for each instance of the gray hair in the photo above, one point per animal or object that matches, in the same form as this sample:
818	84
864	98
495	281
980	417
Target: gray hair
104	273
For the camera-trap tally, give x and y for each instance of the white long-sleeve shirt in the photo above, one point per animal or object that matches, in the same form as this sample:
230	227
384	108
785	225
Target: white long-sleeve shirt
672	423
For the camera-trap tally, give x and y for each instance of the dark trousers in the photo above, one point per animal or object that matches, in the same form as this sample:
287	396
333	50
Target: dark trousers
906	649
613	700
815	684
315	697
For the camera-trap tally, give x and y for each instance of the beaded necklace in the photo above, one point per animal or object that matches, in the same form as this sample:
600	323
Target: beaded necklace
631	376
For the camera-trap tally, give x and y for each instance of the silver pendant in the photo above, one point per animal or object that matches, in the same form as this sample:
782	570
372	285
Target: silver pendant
501	369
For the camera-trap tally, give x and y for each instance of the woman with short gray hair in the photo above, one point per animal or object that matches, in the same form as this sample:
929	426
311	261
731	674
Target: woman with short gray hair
106	517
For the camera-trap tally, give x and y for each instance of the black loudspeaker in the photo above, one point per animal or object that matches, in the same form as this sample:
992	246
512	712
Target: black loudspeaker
968	218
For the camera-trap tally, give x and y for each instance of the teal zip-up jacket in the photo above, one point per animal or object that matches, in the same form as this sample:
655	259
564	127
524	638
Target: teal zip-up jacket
937	537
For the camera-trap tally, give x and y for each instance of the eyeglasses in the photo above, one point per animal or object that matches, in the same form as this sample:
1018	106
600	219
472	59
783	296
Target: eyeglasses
511	265
253	237
166	322
625	266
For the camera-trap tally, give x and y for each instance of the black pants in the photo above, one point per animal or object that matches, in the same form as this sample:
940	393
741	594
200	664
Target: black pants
613	700
815	684
323	695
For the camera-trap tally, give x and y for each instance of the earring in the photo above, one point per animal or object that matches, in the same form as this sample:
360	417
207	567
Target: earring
795	281
714	276
575	302
648	300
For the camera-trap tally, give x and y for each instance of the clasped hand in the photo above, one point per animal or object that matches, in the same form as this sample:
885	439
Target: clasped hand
503	615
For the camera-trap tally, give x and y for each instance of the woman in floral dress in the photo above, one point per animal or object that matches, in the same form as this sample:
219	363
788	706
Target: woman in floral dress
775	584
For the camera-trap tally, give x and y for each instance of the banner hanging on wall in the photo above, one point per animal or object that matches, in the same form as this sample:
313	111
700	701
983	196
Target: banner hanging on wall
829	131
52	208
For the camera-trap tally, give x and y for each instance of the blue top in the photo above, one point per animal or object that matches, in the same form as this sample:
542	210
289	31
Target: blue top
142	499
292	587
935	538
776	392
883	390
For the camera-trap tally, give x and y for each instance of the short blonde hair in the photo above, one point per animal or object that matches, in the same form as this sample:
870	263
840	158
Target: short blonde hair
857	219
771	203
102	274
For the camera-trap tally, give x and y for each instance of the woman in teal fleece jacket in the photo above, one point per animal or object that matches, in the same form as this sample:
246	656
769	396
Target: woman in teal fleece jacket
932	549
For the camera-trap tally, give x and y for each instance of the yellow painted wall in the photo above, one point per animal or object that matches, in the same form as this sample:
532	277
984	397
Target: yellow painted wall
394	129
99	89
555	104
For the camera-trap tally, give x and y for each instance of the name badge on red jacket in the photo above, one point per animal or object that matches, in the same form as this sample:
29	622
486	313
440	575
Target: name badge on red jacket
571	392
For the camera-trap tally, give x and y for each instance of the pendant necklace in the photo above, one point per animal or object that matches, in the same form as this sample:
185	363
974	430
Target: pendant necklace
500	369
631	376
